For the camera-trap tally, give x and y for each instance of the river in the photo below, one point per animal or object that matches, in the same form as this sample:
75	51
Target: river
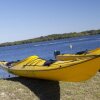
46	49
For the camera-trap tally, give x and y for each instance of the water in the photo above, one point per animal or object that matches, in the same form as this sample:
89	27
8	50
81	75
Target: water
45	49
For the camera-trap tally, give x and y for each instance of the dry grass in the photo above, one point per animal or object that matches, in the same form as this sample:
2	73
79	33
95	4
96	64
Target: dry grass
32	89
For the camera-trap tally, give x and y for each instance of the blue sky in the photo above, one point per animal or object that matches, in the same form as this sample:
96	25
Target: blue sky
24	19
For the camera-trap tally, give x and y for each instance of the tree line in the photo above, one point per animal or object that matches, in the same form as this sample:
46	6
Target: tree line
52	37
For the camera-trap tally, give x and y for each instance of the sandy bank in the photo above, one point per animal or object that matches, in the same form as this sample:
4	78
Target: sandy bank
33	89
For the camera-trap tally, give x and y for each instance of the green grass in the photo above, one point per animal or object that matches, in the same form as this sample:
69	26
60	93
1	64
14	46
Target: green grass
34	89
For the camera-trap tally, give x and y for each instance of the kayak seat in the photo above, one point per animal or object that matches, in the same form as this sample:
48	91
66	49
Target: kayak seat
82	52
49	62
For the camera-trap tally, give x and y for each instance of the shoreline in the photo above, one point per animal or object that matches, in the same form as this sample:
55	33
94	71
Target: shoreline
20	88
52	37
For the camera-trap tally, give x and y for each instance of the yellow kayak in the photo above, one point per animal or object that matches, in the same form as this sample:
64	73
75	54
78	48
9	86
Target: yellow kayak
81	54
71	70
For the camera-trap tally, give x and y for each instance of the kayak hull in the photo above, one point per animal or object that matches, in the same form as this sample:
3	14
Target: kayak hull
90	53
72	71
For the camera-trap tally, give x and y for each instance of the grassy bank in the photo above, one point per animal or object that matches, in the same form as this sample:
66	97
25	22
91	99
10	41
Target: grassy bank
32	89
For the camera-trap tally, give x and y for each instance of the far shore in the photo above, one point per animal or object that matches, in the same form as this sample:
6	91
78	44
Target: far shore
53	37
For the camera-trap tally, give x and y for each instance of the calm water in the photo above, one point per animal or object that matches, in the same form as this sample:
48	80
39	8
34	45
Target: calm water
45	49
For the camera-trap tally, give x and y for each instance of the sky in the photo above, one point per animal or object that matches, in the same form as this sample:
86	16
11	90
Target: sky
25	19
